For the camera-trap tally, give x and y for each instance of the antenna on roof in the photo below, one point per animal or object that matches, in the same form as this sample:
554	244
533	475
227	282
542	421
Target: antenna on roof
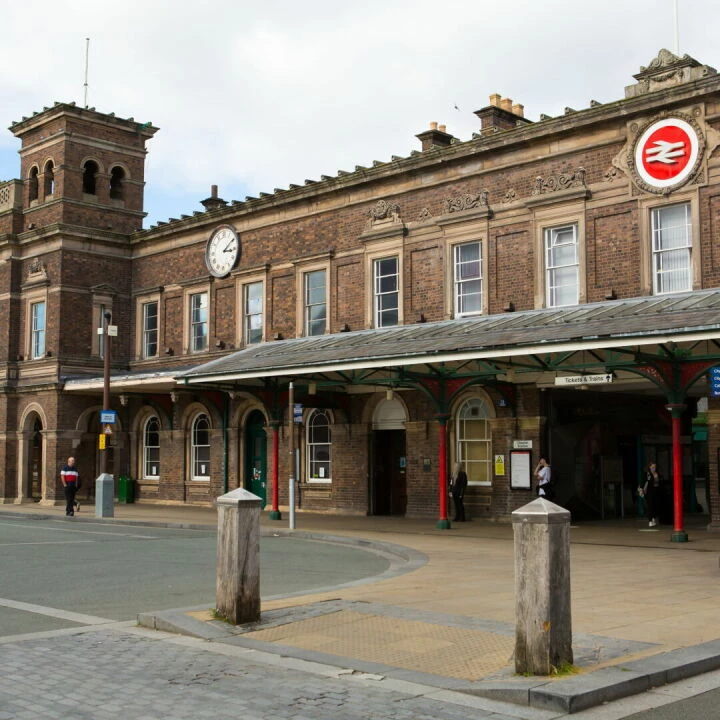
677	30
87	54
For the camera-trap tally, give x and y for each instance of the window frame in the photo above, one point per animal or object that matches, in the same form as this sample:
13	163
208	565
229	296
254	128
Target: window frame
145	331
247	316
550	286
456	282
460	440
195	447
38	336
192	324
146	447
377	293
308	305
655	253
311	446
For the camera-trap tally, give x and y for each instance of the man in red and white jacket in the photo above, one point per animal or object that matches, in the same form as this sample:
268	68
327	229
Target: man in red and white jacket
70	479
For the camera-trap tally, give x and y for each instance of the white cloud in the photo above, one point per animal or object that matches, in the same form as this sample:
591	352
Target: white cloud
253	96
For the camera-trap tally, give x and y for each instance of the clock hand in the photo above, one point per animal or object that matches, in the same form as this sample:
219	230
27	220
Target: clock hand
229	247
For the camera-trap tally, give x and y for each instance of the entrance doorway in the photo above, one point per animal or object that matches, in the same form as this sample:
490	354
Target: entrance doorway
256	456
34	478
389	486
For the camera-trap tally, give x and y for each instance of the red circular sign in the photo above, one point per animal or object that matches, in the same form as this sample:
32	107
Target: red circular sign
666	152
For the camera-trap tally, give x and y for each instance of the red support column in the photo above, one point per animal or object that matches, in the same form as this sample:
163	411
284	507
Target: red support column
443	523
679	534
275	512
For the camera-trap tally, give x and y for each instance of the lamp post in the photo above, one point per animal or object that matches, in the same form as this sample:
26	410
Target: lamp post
104	483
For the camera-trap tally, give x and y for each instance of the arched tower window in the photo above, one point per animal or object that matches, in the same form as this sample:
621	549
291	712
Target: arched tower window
474	440
117	183
49	188
90	171
33	184
319	447
151	448
200	447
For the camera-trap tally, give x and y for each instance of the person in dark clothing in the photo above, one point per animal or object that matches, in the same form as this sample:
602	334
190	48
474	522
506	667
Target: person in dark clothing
70	479
457	489
651	492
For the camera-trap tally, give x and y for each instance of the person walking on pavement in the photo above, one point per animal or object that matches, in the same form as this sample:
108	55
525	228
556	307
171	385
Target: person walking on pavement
650	491
70	479
458	486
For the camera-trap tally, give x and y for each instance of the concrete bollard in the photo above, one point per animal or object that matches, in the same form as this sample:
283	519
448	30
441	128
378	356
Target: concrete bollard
104	495
543	623
238	557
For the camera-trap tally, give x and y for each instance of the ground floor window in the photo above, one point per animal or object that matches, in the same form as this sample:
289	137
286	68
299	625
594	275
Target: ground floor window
200	450
319	447
151	448
473	441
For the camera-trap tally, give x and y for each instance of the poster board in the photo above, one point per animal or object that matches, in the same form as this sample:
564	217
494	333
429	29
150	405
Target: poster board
520	476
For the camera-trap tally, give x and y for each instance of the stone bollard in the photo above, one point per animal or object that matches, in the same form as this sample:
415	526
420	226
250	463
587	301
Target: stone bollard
104	495
543	624
238	557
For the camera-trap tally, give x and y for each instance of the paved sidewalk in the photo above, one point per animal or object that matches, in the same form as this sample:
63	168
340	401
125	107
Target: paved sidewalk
644	609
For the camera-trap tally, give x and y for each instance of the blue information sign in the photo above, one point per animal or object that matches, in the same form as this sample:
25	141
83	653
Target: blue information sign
715	381
297	412
108	417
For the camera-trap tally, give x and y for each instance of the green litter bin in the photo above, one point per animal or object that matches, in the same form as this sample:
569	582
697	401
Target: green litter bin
126	489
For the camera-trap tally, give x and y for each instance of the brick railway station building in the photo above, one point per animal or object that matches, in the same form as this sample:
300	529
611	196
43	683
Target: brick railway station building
544	288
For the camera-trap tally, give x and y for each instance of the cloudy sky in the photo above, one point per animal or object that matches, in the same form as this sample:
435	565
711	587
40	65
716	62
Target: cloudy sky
253	96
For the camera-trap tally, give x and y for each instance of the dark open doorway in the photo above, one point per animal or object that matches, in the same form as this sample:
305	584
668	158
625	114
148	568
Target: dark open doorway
389	487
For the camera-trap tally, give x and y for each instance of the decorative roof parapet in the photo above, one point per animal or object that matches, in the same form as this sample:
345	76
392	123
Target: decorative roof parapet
666	70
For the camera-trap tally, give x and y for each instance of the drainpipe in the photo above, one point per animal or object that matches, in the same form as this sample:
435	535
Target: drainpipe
226	411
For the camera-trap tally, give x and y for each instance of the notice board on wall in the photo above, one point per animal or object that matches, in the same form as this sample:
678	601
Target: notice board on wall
520	476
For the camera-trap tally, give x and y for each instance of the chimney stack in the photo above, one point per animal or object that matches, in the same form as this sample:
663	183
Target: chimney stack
501	114
213	201
436	137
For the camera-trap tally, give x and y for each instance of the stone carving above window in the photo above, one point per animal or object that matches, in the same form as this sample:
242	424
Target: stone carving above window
37	274
384	210
564	181
510	196
468	201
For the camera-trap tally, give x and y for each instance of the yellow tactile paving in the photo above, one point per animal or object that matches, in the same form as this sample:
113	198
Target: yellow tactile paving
408	644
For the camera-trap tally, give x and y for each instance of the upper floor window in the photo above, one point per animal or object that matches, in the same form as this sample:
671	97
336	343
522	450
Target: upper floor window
200	447
37	339
386	292
319	447
672	247
315	302
33	184
151	448
90	171
198	322
117	183
253	312
467	263
561	266
150	329
49	178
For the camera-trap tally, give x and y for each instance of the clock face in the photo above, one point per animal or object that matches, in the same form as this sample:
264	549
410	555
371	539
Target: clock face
223	250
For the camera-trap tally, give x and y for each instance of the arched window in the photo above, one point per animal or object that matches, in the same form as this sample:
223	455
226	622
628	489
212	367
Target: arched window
33	189
151	448
117	183
90	171
473	440
319	447
200	448
49	188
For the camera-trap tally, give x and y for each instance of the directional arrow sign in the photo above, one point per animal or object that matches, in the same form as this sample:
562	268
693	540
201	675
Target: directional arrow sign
584	379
